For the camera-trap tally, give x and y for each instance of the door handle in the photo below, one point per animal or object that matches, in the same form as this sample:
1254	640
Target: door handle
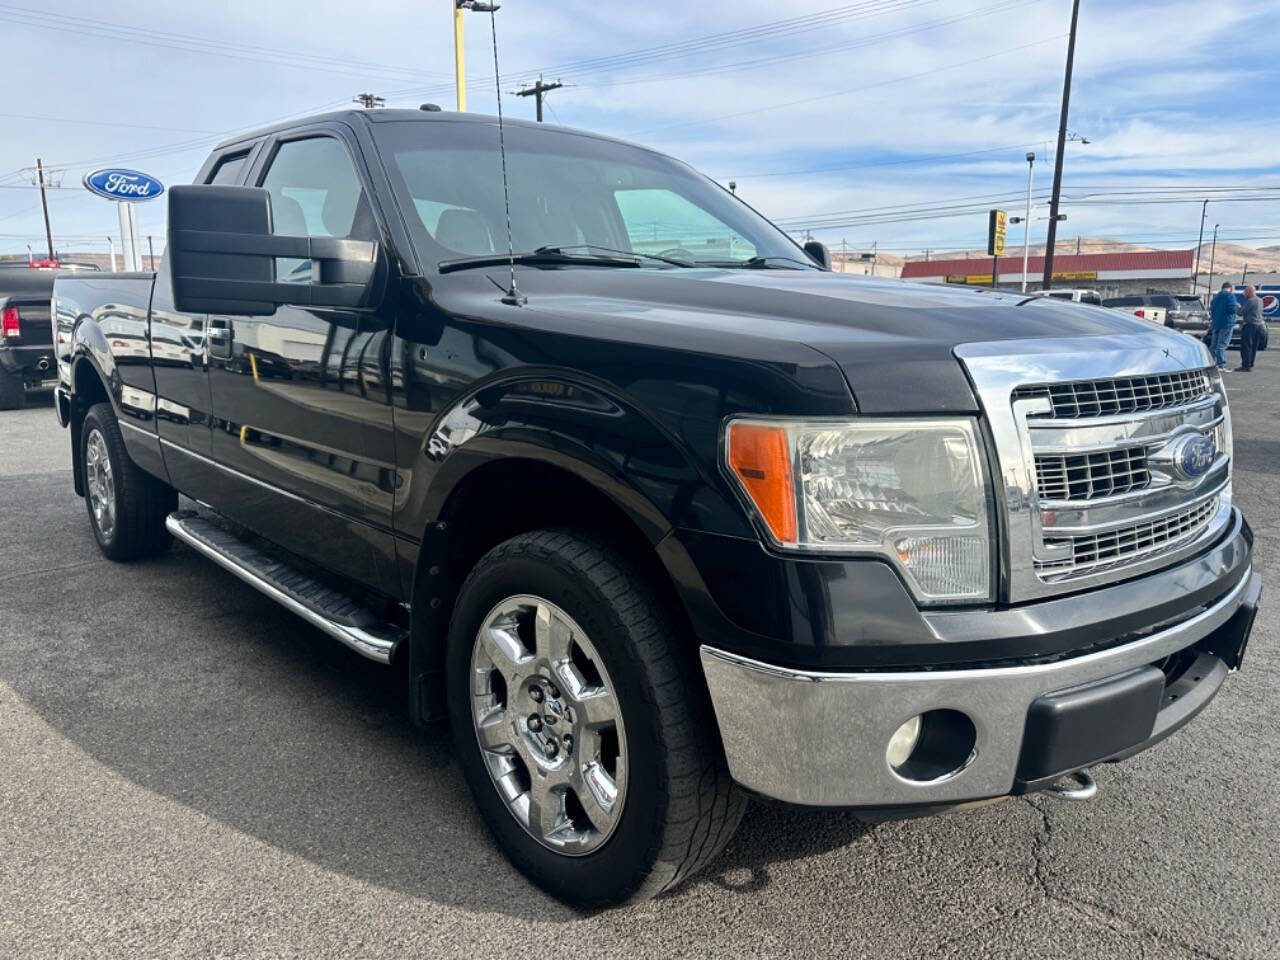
221	334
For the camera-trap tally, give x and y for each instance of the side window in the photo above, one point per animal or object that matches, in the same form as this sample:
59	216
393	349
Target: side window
315	192
658	220
229	169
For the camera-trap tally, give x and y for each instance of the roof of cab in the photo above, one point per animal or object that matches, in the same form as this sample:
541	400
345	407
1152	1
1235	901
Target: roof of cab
389	115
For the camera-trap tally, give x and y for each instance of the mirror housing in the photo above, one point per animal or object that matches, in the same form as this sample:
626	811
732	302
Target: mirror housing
222	256
818	253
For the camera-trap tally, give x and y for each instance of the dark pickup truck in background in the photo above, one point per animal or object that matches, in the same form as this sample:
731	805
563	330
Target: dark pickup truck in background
26	349
658	510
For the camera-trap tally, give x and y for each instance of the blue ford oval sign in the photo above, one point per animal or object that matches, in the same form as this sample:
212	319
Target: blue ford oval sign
128	185
1196	456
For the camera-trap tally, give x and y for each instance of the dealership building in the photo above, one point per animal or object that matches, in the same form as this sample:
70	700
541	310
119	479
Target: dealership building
1111	274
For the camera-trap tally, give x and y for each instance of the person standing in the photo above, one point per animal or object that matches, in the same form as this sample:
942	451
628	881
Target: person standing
1251	329
1222	313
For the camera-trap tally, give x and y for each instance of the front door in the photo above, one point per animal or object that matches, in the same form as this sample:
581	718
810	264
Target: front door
291	416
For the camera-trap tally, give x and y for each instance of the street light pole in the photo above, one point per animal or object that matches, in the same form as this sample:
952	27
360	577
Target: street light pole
1057	160
459	57
459	54
1195	277
1026	225
1212	251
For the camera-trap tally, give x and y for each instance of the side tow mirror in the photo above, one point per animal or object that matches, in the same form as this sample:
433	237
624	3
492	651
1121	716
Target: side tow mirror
222	256
818	253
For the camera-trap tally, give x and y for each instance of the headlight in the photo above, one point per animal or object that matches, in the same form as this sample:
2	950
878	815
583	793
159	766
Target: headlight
913	491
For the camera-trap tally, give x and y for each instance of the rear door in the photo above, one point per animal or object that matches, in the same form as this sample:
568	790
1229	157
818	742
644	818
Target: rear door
292	411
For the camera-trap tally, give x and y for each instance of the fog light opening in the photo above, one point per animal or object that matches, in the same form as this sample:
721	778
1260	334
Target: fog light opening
933	746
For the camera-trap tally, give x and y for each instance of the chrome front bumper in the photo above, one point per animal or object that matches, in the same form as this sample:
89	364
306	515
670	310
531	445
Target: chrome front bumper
819	738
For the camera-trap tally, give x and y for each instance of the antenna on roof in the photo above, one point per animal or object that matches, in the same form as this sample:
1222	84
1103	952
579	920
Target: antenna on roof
513	296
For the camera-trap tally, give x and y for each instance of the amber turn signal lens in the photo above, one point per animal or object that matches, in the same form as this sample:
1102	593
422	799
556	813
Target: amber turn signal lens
760	456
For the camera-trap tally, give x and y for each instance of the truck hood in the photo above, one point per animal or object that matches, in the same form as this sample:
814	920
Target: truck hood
894	340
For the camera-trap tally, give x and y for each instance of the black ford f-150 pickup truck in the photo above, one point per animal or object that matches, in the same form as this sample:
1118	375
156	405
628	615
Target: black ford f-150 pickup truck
657	509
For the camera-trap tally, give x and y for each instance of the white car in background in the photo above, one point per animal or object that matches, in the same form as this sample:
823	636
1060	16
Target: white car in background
1075	296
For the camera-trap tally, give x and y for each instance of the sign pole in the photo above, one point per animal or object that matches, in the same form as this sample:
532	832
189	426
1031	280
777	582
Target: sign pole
135	235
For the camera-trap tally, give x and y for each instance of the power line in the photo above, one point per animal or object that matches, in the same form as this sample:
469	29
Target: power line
700	45
755	111
275	56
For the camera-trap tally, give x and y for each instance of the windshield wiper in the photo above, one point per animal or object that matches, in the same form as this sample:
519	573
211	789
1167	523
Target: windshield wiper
549	256
758	263
627	253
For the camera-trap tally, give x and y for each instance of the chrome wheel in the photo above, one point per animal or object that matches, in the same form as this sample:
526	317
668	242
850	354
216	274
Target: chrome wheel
100	483
548	724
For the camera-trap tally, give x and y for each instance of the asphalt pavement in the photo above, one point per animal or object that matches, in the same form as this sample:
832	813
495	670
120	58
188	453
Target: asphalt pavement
187	770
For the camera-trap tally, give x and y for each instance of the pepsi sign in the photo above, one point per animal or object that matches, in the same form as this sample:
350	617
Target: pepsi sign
127	185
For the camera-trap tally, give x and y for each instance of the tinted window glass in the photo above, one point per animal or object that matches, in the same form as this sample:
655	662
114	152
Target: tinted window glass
229	169
1123	302
1092	298
658	220
315	192
566	189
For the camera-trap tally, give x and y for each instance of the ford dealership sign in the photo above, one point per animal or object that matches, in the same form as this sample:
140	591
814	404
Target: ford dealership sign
128	185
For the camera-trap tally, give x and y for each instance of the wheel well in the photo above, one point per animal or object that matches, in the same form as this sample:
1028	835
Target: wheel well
494	503
87	389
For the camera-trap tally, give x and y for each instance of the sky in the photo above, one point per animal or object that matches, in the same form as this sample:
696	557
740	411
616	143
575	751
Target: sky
887	122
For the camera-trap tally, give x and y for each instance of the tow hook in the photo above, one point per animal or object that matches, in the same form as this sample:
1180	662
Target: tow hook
1073	786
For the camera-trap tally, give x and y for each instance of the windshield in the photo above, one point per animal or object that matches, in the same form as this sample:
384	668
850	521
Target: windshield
567	191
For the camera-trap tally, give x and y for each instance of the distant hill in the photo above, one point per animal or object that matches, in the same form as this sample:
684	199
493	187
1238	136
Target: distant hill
1228	258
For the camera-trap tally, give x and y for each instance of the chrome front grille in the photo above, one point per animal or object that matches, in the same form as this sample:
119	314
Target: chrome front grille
1090	435
1094	552
1110	397
1089	476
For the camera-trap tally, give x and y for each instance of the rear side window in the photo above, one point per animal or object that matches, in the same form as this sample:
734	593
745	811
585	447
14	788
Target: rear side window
229	169
1092	298
1123	302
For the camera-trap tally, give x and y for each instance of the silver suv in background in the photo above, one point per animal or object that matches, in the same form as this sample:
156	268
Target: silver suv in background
1177	311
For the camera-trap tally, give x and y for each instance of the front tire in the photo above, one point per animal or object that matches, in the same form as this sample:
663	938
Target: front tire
127	506
557	632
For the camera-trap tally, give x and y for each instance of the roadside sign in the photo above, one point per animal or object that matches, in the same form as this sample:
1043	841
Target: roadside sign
997	224
128	186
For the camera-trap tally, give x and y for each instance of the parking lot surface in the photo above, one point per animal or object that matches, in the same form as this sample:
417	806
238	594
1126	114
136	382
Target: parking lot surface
188	770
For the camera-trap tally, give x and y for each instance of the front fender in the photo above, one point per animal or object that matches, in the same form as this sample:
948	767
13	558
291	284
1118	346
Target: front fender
582	427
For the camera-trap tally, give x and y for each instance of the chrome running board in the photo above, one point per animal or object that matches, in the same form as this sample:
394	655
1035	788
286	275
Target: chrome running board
330	610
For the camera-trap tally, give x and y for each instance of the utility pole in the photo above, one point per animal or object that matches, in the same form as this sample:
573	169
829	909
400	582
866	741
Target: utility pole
537	91
1195	277
44	202
369	100
1047	284
1212	252
151	253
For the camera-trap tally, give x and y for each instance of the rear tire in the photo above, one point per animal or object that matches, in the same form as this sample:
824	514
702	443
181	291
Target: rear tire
678	806
13	392
127	506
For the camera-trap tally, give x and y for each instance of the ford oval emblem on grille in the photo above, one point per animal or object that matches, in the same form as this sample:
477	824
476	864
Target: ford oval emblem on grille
1196	456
